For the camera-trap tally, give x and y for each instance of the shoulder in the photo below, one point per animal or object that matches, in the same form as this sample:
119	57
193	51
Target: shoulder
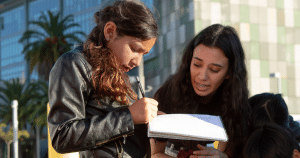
72	61
74	57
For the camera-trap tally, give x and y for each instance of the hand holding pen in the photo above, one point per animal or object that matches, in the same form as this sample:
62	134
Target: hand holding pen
143	110
140	86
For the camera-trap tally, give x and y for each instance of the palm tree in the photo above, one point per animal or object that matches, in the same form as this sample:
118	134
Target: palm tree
49	43
15	90
38	106
38	110
32	98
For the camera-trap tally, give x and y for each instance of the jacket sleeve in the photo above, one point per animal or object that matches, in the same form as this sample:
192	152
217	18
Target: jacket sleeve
70	129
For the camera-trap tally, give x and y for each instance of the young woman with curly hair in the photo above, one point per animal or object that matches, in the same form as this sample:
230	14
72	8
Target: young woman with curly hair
211	79
93	109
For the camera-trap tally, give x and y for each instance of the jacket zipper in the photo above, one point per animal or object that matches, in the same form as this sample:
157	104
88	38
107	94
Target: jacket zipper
124	136
120	153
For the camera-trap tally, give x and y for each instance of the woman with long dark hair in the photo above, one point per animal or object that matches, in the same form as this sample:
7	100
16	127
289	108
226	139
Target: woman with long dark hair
211	79
93	109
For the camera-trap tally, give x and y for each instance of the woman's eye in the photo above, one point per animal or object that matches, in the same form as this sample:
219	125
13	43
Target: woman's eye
215	71
197	65
134	50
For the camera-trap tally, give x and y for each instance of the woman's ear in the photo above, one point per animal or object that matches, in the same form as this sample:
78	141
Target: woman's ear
110	31
296	154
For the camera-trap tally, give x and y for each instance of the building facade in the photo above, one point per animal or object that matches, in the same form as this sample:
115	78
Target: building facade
269	31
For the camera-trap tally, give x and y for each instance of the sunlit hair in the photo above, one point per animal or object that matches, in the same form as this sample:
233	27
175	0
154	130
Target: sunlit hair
132	18
270	141
178	96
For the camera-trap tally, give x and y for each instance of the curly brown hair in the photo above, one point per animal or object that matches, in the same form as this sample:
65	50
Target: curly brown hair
132	18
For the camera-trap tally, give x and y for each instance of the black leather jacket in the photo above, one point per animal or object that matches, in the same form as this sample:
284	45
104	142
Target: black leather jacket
78	123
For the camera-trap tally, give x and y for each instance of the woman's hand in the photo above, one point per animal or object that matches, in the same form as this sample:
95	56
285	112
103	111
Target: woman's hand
208	152
160	113
143	111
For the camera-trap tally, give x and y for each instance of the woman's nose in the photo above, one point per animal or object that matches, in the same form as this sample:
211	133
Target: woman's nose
203	75
136	61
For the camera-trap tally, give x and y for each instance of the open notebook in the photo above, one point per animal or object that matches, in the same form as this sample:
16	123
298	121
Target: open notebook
188	127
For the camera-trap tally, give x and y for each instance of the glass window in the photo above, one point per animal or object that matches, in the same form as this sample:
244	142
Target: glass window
13	21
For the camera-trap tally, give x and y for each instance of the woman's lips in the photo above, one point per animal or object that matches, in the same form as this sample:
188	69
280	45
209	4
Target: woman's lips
202	87
126	69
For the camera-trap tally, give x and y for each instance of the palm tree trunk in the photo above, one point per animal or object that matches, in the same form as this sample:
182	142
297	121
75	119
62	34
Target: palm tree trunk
8	147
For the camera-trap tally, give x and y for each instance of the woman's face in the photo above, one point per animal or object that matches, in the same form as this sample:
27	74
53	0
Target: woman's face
208	69
129	50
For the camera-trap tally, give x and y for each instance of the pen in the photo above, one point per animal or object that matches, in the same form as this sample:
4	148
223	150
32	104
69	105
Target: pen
140	86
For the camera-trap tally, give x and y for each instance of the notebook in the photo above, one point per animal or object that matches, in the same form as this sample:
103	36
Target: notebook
188	127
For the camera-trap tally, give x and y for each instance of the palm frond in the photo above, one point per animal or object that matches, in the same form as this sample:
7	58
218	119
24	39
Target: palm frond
43	18
31	34
67	19
72	37
43	26
30	46
50	41
15	90
66	27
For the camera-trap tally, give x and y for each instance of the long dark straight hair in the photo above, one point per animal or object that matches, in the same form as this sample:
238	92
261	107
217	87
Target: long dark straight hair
177	94
132	18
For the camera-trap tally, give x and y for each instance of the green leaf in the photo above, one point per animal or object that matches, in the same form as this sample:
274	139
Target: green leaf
41	54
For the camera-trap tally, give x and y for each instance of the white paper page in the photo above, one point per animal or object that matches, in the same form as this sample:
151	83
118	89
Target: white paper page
206	127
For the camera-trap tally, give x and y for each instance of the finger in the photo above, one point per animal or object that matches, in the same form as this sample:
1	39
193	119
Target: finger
196	152
153	108
151	101
204	147
151	118
160	113
153	115
204	152
201	147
